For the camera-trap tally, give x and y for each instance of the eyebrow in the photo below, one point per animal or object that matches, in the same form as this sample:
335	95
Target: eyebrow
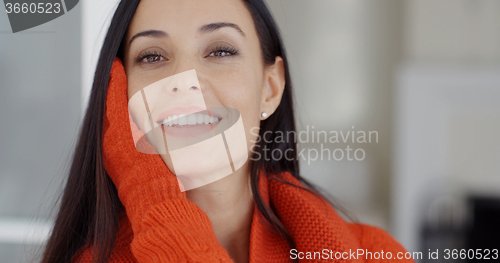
214	26
204	29
150	33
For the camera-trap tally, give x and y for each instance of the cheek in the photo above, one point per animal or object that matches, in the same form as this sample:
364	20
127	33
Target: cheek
243	92
133	85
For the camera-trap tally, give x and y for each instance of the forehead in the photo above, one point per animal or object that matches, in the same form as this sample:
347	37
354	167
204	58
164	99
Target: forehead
181	17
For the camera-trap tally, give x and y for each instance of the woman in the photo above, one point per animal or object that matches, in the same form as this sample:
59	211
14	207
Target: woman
121	205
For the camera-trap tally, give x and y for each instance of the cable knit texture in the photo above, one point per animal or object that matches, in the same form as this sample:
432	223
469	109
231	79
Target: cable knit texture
161	225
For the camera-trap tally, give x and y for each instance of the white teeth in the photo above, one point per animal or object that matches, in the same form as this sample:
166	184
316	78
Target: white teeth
214	119
191	119
182	120
199	118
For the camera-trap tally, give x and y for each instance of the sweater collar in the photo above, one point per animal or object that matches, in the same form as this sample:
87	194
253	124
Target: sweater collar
310	220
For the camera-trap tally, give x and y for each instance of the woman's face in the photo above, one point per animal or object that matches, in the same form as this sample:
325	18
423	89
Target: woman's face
217	39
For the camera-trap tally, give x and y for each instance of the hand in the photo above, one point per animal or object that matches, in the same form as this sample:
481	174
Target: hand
142	180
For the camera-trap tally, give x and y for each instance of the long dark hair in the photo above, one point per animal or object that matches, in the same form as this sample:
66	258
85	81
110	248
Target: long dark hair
89	208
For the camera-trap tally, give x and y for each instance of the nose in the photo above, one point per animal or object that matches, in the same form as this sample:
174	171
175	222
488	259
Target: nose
183	89
183	84
186	71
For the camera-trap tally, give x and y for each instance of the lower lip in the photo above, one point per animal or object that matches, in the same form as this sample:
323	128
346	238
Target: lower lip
184	131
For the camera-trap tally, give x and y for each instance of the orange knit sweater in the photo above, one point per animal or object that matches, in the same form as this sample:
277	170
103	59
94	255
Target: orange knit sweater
313	224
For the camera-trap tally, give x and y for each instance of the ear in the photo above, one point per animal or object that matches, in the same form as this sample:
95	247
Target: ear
273	87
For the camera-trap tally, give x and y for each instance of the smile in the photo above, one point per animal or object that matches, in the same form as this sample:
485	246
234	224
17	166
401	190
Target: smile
189	120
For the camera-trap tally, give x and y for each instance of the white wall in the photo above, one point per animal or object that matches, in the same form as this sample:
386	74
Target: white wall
452	30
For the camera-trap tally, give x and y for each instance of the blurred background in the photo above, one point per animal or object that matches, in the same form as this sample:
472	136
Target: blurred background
423	74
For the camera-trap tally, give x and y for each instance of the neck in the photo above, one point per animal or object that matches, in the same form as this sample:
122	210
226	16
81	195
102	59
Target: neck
228	204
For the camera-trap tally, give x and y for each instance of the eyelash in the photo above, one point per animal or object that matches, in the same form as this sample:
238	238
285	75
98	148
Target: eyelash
147	54
231	50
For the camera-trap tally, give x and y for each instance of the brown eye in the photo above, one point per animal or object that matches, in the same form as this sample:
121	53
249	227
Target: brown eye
220	54
223	52
150	57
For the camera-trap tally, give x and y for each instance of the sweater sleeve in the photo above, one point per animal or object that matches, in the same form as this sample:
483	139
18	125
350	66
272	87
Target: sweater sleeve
177	230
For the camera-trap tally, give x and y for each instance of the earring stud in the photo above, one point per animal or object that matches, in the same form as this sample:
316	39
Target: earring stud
263	114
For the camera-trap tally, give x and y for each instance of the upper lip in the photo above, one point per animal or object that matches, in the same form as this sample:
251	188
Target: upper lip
182	110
